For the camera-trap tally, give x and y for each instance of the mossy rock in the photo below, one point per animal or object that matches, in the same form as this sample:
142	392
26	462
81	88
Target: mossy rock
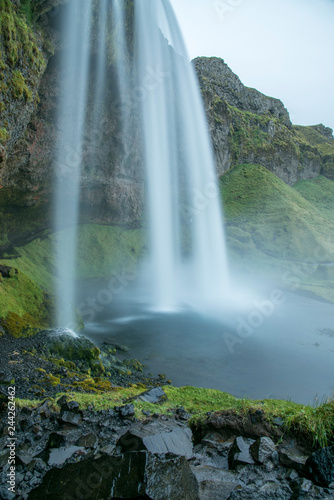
72	348
328	170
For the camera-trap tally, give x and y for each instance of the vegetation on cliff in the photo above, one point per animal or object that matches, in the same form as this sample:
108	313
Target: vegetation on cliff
22	63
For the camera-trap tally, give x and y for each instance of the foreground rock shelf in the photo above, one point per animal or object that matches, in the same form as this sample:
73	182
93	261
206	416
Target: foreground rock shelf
66	452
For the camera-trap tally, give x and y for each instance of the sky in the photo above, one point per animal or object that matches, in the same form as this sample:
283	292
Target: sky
283	48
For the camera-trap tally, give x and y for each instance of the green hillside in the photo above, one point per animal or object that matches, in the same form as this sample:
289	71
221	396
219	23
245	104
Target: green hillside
272	227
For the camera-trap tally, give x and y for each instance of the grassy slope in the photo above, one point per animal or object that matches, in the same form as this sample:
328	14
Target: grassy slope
270	224
102	251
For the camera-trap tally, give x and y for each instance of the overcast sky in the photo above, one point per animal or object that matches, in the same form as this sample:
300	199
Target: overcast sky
284	48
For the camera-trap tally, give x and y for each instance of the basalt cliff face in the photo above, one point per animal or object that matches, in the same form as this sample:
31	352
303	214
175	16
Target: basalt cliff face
245	126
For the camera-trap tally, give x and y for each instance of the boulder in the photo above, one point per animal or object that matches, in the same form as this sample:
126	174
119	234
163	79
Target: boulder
215	483
135	474
239	453
262	449
154	396
293	458
320	466
157	437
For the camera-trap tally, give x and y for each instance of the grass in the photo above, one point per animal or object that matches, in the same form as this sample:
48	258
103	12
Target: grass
317	423
102	251
23	304
271	228
275	217
309	136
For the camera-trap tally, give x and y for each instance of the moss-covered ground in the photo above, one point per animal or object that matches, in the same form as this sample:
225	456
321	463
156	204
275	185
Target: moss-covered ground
102	252
315	422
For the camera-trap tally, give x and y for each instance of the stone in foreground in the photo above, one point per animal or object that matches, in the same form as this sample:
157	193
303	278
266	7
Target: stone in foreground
240	453
131	475
158	438
320	466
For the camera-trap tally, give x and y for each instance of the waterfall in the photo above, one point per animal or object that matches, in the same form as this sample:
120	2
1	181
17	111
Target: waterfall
70	138
187	262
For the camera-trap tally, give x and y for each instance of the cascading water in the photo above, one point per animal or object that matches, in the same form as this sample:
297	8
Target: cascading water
71	119
187	261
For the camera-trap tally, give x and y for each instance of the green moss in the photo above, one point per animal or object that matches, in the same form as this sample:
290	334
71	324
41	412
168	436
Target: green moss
18	326
328	170
24	306
51	380
280	221
19	87
4	136
61	362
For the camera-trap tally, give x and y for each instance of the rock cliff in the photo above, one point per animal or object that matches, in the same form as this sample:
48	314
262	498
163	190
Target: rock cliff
248	127
245	125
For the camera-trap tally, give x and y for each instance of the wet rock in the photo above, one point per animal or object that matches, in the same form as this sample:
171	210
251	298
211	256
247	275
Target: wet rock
58	456
70	417
130	475
320	466
239	453
267	491
301	486
44	410
293	458
262	449
126	411
182	414
87	440
158	438
278	421
56	440
3	401
215	483
170	477
154	396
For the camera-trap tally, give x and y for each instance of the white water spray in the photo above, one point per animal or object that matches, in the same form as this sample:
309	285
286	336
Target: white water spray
187	263
71	121
187	258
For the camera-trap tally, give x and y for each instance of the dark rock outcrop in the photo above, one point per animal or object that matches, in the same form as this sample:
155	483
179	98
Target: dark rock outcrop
247	126
130	475
320	466
227	86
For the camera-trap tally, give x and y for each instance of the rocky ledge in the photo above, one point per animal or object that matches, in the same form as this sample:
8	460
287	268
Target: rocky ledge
52	362
65	452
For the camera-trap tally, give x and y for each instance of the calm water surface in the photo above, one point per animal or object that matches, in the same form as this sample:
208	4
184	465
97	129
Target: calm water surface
288	353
